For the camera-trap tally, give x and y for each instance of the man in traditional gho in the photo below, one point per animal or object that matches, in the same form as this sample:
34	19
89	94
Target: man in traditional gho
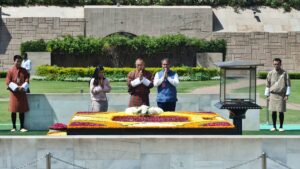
139	83
17	80
166	82
277	91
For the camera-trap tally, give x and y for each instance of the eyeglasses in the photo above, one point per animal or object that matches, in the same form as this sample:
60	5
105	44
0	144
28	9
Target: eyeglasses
276	64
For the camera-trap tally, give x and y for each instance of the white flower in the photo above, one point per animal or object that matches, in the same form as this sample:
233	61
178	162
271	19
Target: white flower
132	110
144	110
155	110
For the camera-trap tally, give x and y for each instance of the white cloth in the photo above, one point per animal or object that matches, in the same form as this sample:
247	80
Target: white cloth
288	91
174	81
267	91
26	64
25	86
13	86
158	81
146	82
137	82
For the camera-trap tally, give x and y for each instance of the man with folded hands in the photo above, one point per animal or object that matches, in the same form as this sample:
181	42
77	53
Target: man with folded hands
139	83
17	80
166	81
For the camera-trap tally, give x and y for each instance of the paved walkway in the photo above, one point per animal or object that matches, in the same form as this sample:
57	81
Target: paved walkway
262	102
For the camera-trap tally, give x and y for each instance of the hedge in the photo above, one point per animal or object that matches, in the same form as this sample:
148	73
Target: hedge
2	74
120	50
263	75
96	46
286	4
62	73
33	46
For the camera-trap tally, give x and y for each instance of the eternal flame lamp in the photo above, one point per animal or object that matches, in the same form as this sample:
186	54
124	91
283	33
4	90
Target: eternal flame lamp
238	89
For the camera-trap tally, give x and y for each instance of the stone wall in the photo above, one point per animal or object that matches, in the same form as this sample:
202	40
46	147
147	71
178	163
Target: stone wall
263	47
193	21
150	152
14	31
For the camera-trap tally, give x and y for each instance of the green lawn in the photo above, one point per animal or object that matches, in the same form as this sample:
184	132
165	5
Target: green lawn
18	133
4	114
295	92
291	116
267	132
76	87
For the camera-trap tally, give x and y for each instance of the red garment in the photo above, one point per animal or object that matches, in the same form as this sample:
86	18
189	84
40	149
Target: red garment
18	100
138	100
139	94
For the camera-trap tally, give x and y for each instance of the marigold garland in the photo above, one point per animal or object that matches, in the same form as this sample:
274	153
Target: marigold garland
166	120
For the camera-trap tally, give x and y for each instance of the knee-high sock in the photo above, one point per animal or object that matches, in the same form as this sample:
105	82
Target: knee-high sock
13	119
274	118
281	118
22	117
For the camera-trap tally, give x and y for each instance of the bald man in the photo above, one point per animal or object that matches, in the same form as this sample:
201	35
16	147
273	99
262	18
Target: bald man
139	83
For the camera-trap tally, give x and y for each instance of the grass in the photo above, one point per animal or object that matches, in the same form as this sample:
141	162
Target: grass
293	98
18	133
267	132
76	87
291	116
4	114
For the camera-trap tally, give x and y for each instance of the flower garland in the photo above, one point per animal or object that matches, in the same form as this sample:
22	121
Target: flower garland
165	120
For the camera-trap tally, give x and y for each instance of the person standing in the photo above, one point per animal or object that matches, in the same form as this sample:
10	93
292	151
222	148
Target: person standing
99	86
17	80
166	82
26	64
139	83
278	88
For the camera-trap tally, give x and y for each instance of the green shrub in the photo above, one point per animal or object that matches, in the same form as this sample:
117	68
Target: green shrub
263	75
149	45
124	47
75	45
294	75
33	46
71	73
2	74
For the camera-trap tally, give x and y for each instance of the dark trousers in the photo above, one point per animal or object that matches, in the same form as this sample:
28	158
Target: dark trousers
167	106
14	119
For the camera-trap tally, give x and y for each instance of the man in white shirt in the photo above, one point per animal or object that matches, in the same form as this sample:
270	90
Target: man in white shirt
166	82
26	64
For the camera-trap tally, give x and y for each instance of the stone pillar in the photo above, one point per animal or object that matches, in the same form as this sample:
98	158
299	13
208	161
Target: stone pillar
38	59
